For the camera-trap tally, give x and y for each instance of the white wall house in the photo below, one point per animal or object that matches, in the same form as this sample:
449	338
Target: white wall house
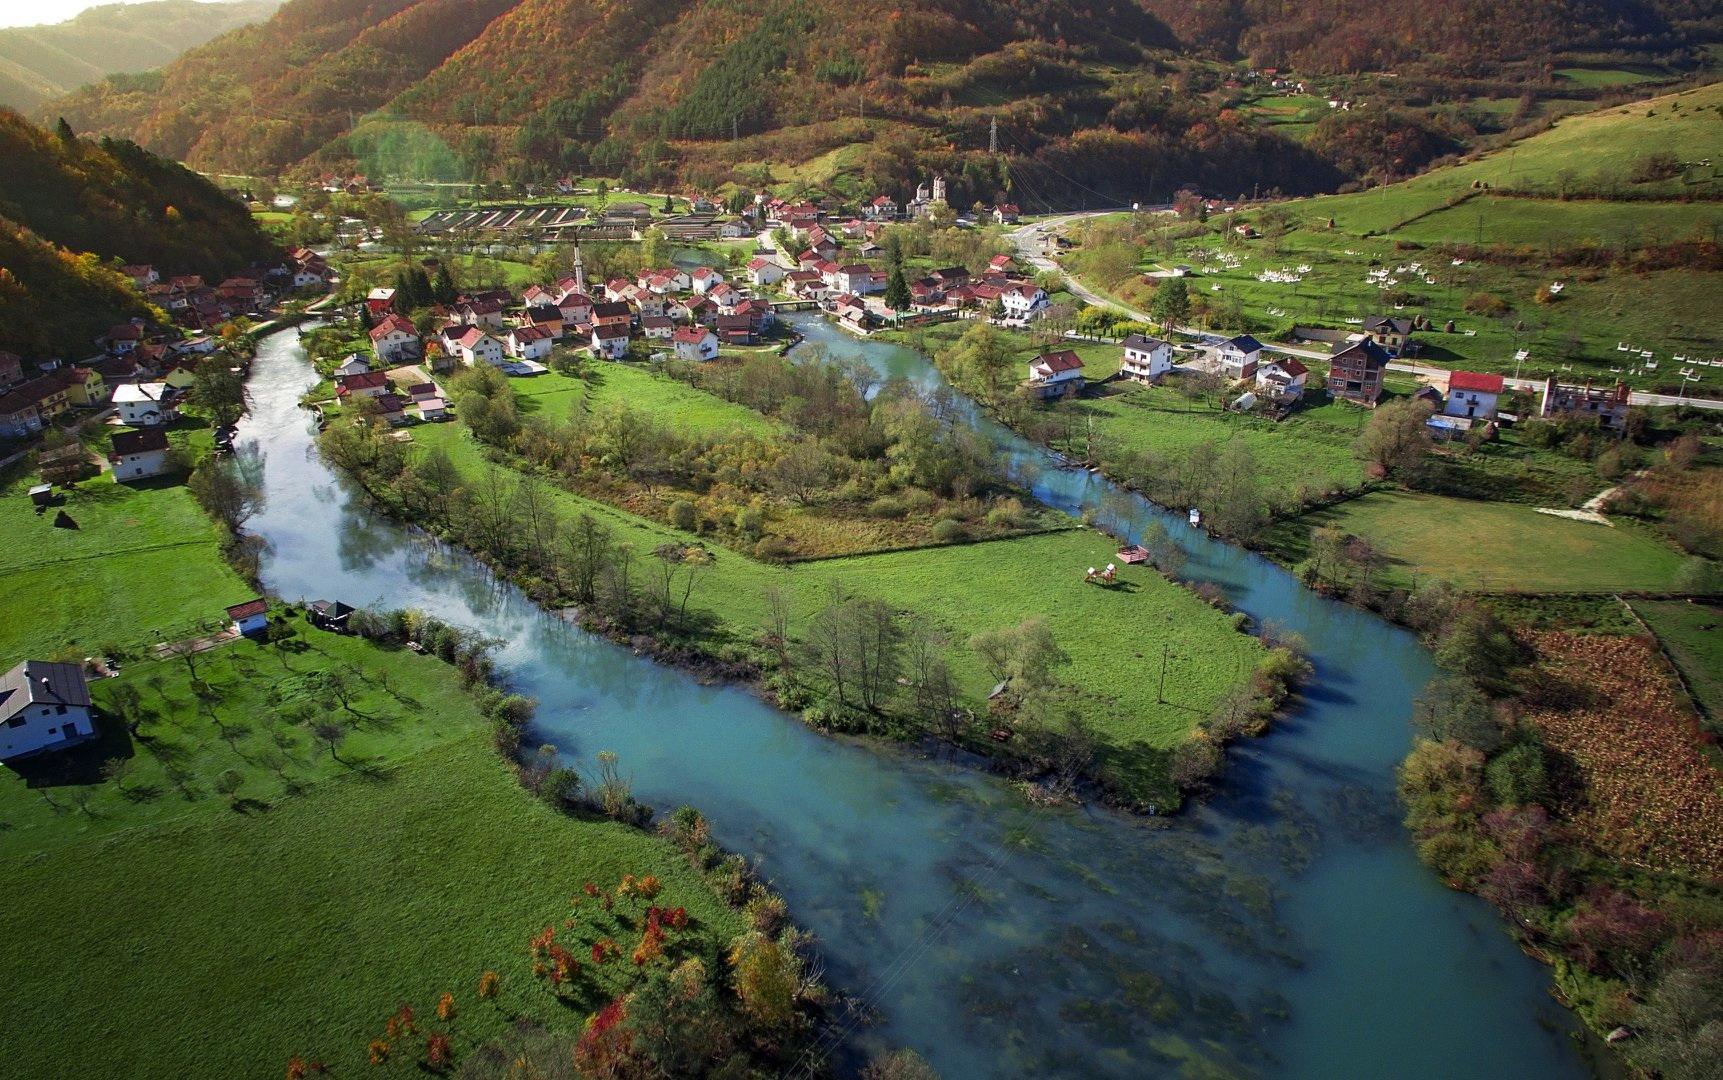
394	340
1473	395
762	272
476	346
1052	374
139	455
1238	356
144	404
249	618
43	706
1024	300
704	277
1284	379
1146	358
609	342
529	343
695	343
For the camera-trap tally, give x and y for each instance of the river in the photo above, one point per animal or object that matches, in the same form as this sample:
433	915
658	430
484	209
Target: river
1284	928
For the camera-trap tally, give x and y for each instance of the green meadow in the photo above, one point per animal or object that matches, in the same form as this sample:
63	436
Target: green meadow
1113	636
1490	546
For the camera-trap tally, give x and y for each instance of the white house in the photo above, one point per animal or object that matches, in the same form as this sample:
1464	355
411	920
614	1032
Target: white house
883	207
144	404
251	617
1472	395
856	279
529	343
1238	356
1284	379
366	384
704	277
1146	358
432	408
394	340
657	327
763	272
139	455
353	365
1024	300
695	343
43	706
475	345
1050	374
609	341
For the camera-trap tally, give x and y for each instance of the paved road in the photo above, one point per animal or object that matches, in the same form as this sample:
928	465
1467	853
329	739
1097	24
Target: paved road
1030	239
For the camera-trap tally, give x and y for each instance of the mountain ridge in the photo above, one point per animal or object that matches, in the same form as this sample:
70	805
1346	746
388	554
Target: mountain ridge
658	90
38	63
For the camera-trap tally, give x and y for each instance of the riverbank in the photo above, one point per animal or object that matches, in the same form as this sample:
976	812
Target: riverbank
973	927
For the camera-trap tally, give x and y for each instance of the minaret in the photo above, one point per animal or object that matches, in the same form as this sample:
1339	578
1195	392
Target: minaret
579	273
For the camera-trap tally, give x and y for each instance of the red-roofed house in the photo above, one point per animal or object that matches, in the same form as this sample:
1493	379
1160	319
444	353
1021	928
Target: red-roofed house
1052	374
395	339
1472	395
251	617
529	343
379	300
695	343
474	345
365	384
763	271
609	341
1282	377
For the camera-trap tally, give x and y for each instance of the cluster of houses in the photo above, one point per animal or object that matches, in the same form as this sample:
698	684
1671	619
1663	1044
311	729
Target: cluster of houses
198	307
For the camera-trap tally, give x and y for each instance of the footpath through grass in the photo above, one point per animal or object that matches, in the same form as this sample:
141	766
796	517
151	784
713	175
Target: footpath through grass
1114	637
1490	547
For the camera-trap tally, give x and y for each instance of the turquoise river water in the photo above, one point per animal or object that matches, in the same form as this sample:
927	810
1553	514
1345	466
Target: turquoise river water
1284	928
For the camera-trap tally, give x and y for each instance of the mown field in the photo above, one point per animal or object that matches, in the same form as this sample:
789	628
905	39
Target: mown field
1490	547
1113	636
142	561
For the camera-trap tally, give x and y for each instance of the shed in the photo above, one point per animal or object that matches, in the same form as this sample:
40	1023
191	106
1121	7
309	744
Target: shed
251	617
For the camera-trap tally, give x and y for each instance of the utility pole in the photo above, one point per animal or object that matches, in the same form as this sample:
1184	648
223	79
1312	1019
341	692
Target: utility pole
993	137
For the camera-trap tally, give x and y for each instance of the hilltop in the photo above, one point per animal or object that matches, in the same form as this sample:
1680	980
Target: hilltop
1094	98
72	210
42	62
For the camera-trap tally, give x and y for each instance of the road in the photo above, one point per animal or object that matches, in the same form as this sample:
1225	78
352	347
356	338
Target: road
1030	241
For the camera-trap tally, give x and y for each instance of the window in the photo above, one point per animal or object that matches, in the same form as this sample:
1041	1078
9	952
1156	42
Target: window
15	722
59	710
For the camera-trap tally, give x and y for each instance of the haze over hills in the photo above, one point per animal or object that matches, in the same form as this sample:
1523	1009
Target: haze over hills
1130	95
42	62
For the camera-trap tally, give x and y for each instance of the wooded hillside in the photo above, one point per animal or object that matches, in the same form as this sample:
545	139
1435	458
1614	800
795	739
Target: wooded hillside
653	90
72	210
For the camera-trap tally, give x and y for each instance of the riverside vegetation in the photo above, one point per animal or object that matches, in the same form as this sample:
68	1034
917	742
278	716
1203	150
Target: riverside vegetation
281	780
900	643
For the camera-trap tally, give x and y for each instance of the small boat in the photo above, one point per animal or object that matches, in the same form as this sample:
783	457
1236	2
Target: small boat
1196	517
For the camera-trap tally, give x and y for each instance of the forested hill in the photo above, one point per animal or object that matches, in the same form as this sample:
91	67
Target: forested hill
655	90
71	210
42	62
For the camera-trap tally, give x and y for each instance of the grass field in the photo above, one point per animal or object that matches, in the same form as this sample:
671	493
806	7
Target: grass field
234	717
554	396
1313	447
1691	632
967	588
226	943
1491	547
143	561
